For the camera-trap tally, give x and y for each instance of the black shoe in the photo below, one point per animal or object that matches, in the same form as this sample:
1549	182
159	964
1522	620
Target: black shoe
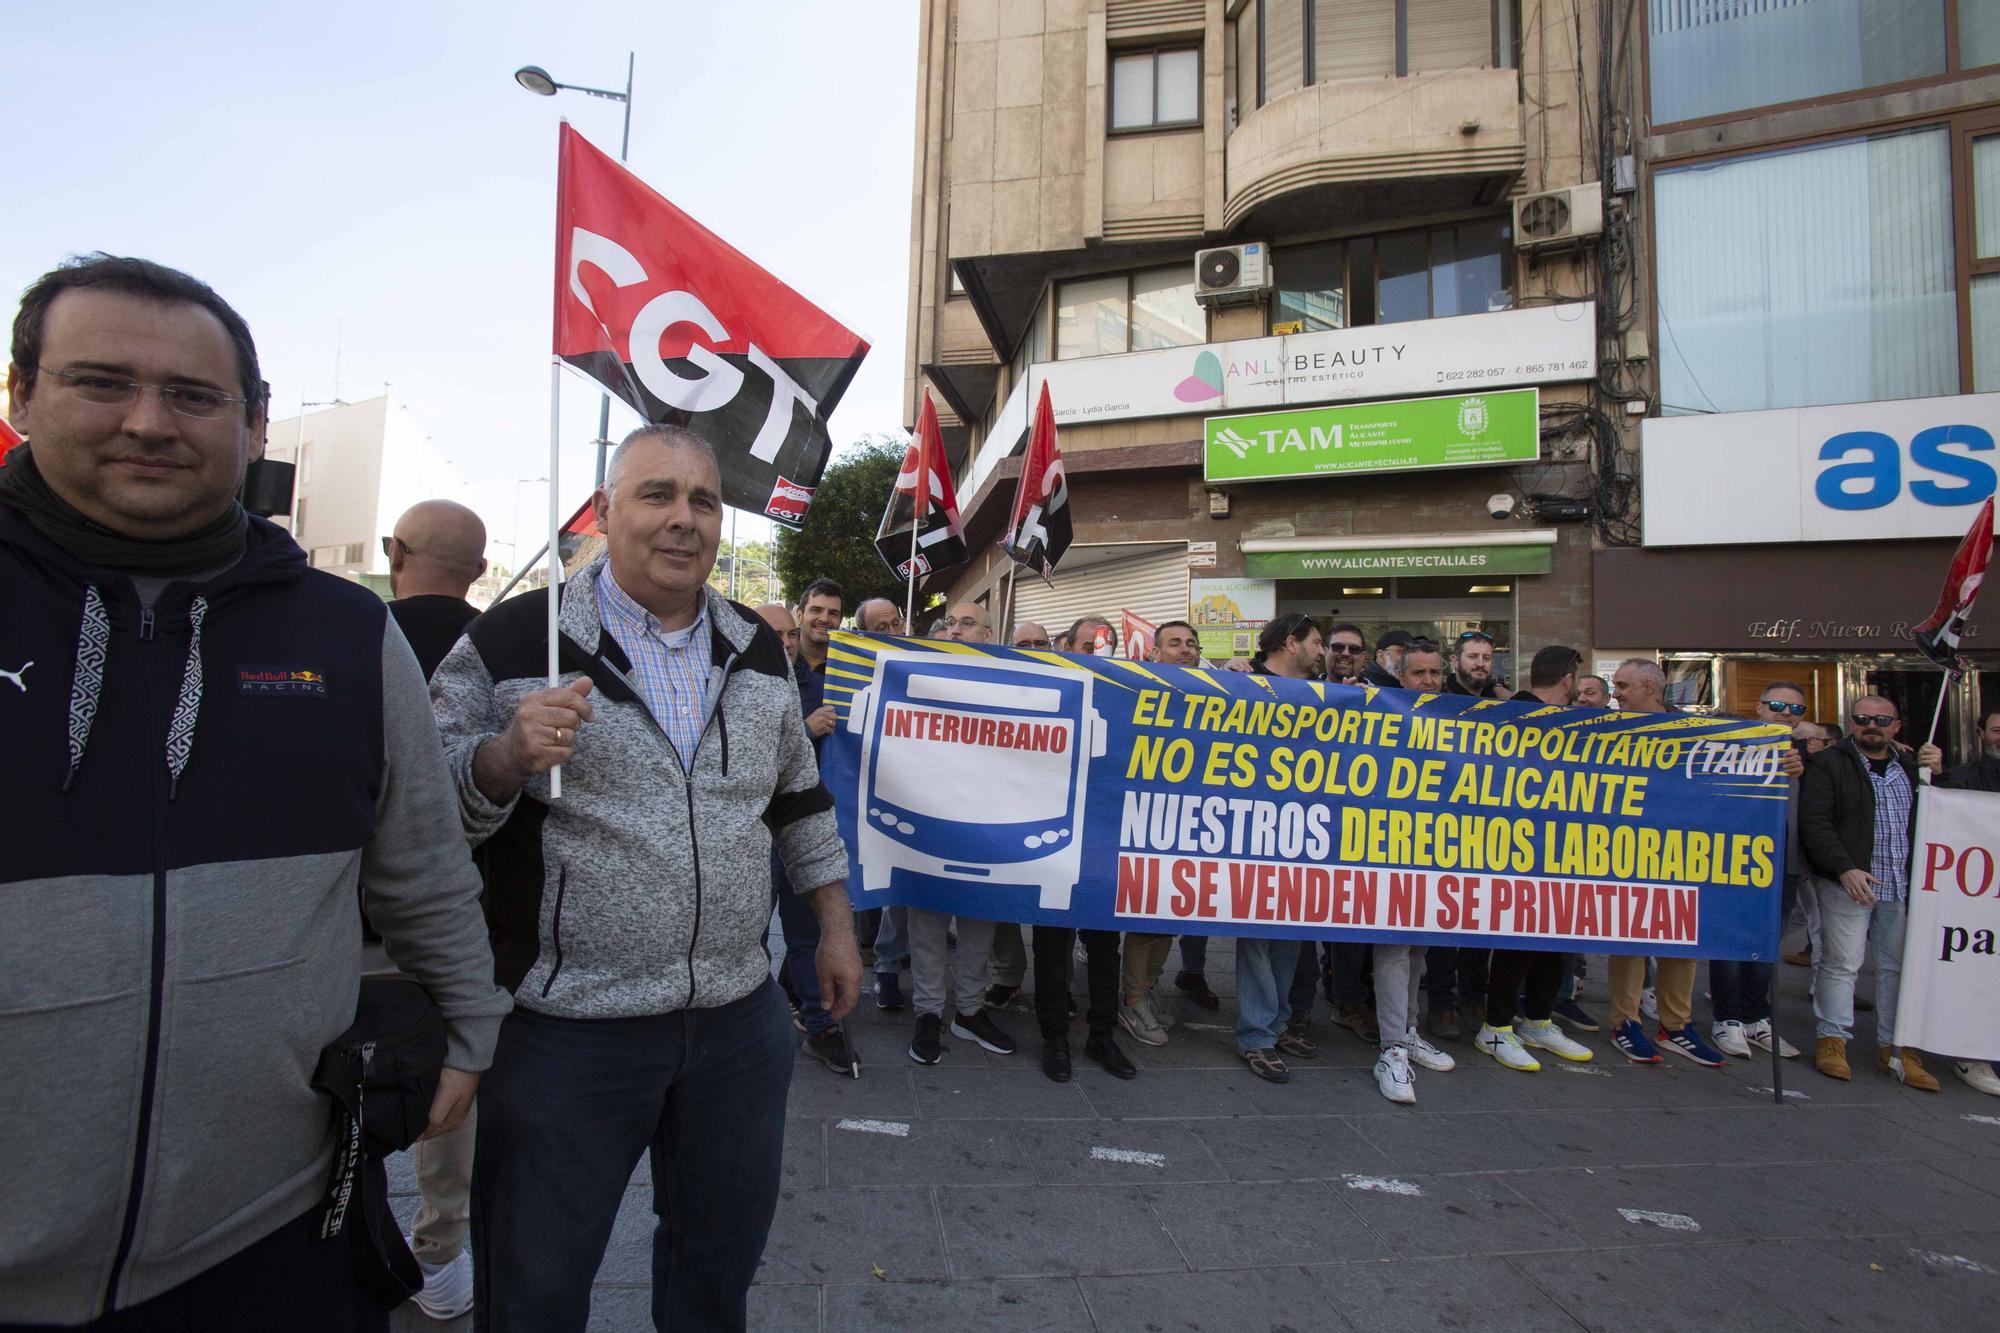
925	1048
888	992
831	1049
998	997
1195	986
1575	1015
1055	1059
1105	1051
981	1028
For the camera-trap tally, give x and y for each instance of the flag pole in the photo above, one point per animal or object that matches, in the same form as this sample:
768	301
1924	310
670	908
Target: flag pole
1937	716
910	597
554	548
1007	604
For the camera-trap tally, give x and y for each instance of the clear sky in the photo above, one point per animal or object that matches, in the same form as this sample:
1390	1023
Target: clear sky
368	178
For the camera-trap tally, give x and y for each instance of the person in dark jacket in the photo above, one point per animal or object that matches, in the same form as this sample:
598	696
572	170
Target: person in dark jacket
1983	773
1857	807
214	752
1472	667
1386	670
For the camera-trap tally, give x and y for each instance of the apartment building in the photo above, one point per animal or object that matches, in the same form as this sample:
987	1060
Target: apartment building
1338	303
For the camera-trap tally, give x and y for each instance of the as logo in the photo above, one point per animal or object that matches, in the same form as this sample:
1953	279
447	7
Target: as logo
1867	468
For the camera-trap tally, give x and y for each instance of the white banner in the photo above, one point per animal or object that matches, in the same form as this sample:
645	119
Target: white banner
1951	971
1544	344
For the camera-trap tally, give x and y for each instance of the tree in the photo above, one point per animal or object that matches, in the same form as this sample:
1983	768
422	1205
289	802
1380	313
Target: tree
754	582
838	539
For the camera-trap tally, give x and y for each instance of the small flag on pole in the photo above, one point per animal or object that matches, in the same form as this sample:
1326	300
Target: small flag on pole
1039	531
688	331
1939	635
923	495
1139	634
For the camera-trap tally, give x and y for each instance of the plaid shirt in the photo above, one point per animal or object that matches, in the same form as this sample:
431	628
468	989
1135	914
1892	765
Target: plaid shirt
670	667
1893	803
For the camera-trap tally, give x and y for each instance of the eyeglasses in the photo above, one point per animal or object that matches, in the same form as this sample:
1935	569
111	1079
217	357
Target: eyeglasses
1779	706
1874	719
1031	643
188	400
389	543
963	622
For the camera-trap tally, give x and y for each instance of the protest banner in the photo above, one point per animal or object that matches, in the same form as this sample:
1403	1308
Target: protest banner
1110	794
1951	970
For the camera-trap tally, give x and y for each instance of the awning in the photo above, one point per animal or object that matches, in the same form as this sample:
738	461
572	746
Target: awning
1416	555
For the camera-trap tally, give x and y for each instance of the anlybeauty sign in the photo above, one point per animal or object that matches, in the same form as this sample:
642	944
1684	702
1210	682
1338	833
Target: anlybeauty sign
1461	431
1547	344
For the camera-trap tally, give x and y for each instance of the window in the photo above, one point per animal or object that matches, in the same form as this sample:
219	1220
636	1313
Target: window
1978	33
1711	57
1458	269
1134	312
1822	274
1985	162
1153	90
1302	42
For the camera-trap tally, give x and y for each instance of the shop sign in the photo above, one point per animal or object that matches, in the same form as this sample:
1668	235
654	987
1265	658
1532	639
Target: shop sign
1544	344
1463	431
1227	613
1401	561
1852	472
1799	628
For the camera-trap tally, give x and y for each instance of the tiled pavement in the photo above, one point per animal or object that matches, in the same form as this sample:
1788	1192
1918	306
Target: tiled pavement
1603	1197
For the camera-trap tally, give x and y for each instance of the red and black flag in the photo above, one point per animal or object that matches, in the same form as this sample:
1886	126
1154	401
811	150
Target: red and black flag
923	487
9	437
675	321
582	540
1939	635
1039	531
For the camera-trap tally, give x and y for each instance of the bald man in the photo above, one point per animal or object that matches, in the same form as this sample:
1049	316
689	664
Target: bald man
437	553
966	622
438	550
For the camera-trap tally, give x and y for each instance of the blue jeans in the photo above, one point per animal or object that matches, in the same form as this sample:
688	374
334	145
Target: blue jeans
801	927
565	1113
1264	970
1846	929
892	942
1194	954
1741	991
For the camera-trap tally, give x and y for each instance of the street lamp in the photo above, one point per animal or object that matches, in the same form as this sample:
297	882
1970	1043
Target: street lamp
537	81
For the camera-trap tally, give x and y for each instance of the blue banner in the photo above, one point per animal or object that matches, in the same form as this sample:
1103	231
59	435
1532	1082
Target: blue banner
1010	785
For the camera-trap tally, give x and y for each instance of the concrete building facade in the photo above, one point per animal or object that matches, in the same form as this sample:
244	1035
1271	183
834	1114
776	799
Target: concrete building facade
1072	160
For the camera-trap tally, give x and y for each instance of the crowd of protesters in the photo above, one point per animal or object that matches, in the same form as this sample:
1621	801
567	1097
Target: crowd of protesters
240	807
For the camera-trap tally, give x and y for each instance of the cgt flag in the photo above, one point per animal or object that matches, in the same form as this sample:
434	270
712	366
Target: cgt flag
1938	636
675	321
923	486
1039	531
1139	635
9	437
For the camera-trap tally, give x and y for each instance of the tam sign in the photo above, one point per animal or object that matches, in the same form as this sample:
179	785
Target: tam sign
1919	467
1464	431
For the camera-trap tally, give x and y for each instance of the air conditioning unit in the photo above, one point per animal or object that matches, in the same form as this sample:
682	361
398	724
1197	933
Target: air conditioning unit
1232	274
1558	217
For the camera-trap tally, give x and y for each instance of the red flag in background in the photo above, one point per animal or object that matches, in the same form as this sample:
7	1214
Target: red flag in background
923	496
1039	531
1939	635
1139	634
9	437
680	325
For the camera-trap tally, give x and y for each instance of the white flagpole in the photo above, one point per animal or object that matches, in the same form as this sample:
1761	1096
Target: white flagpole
910	597
555	536
1007	603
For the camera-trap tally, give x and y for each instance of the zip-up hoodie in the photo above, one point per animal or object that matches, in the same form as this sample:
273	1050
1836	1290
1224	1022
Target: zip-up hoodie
647	887
195	796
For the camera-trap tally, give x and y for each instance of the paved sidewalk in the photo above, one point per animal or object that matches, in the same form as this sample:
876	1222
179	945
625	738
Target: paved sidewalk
977	1195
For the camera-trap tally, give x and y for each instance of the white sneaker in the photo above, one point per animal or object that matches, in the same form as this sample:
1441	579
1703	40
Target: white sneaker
1760	1034
1160	1020
1728	1038
1504	1046
1978	1074
1135	1019
1426	1056
1649	1004
1547	1036
1393	1077
447	1292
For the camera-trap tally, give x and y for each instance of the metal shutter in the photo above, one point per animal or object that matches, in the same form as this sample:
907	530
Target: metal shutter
1354	39
1284	47
1451	34
1152	583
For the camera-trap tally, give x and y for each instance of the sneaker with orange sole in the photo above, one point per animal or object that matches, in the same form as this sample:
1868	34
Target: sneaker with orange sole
1901	1063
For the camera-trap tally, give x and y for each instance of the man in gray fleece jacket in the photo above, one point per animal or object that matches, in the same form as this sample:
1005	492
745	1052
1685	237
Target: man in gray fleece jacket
629	914
213	751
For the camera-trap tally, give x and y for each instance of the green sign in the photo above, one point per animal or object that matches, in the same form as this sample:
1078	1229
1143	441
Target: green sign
1463	431
1399	562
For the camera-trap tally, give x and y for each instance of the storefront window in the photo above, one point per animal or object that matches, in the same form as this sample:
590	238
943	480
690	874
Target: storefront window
1711	57
1164	311
1858	302
1091	318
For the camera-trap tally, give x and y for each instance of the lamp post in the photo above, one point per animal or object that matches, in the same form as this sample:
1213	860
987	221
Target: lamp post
537	81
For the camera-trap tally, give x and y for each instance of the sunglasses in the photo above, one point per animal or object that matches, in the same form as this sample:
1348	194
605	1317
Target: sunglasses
1345	648
1478	634
1874	719
1796	710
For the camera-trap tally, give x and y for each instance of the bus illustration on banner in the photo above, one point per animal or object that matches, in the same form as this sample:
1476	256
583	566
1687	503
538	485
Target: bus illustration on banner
974	770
